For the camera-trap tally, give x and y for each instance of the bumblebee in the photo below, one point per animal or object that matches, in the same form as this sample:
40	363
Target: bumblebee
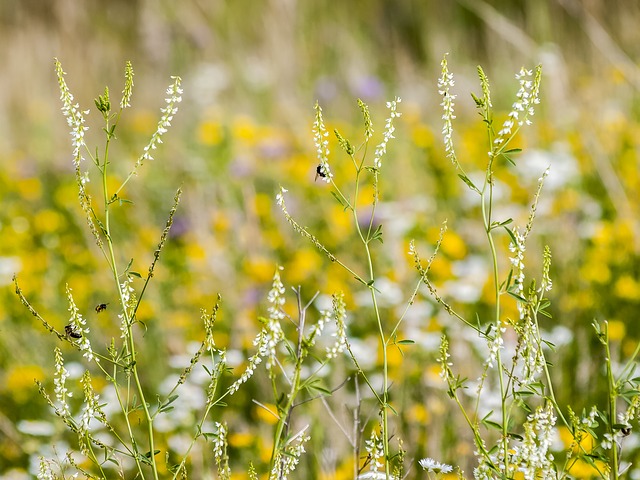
101	307
320	172
72	332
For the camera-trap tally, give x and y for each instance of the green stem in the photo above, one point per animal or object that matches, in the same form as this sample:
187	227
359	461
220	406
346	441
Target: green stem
130	343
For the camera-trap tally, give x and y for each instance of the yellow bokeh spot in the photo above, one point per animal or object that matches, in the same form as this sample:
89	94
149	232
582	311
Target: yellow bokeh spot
453	245
627	287
20	380
263	204
194	251
260	269
241	439
48	221
422	136
581	469
220	222
143	121
616	329
304	263
244	129
595	272
210	133
419	414
29	188
267	413
145	311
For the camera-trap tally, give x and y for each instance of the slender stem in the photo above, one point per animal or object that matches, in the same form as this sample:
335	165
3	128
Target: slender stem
129	342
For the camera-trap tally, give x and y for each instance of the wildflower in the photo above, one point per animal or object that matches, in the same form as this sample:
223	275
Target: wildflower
430	465
381	149
368	125
280	197
128	86
287	460
523	108
533	455
174	92
220	451
270	335
44	470
495	343
91	409
517	263
375	449
546	283
445	364
320	135
340	314
73	114
59	382
77	325
445	82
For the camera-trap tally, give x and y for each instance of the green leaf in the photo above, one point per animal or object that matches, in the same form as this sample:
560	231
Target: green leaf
166	406
405	342
511	234
469	183
340	200
377	234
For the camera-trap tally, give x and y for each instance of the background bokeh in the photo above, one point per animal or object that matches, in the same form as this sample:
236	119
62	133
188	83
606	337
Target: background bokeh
252	72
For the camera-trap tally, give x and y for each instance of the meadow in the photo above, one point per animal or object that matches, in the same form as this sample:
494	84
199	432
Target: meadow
362	287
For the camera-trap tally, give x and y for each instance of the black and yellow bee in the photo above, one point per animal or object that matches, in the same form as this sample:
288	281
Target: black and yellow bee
320	172
72	332
101	307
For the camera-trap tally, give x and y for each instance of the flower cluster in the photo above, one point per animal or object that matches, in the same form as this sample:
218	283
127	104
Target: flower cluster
533	455
220	451
523	107
340	315
77	324
90	410
74	116
59	385
287	461
174	93
320	135
445	83
389	129
128	86
375	451
430	465
268	337
128	300
517	261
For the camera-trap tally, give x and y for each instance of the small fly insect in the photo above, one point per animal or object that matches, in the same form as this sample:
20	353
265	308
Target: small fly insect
72	332
320	172
101	307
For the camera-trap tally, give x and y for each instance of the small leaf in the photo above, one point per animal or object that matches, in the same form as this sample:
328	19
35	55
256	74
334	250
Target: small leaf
512	235
405	342
340	200
469	183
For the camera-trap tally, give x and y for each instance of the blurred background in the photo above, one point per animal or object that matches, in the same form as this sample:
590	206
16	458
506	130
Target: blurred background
252	72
